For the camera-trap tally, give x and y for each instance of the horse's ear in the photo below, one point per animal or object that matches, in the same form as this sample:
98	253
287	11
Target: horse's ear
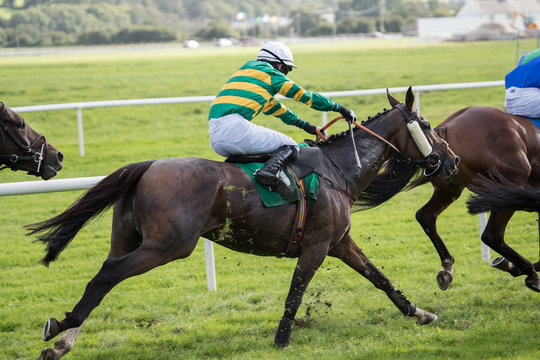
393	100
409	99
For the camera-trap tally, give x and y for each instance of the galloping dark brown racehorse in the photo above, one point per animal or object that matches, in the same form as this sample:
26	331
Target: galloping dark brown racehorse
485	139
163	207
21	148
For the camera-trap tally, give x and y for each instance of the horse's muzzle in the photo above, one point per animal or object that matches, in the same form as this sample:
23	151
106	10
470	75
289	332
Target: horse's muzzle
52	165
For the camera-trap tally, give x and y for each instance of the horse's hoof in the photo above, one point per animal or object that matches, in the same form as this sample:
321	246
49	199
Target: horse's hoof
444	279
50	329
48	354
503	264
282	339
424	317
533	284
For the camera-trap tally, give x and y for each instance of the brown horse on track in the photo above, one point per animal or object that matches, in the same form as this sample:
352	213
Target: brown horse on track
21	148
485	139
163	207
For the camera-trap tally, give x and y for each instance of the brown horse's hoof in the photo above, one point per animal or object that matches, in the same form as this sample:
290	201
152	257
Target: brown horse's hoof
503	264
424	317
50	329
533	284
48	354
444	279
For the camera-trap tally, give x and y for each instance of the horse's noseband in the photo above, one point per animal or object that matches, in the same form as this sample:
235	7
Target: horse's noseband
432	162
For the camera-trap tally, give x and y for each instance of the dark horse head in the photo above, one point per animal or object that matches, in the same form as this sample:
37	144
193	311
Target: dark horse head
411	147
21	148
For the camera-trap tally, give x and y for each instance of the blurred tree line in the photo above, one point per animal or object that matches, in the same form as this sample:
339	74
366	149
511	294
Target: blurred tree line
93	22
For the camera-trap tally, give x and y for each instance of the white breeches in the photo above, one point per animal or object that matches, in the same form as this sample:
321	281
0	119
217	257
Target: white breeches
523	101
234	135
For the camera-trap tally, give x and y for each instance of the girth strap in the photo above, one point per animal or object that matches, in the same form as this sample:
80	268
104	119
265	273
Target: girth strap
295	242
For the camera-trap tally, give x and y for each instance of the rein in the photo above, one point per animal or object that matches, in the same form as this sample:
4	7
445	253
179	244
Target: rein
432	161
10	161
321	135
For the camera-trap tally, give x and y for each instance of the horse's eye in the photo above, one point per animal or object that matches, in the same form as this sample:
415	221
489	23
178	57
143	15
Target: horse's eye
21	125
425	124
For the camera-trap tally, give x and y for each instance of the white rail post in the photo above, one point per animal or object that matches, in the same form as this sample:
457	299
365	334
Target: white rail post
324	118
484	249
80	131
210	266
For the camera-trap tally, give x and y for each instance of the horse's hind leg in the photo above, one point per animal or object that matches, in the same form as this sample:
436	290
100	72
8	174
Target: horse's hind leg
309	261
124	239
493	236
148	256
427	217
352	255
62	346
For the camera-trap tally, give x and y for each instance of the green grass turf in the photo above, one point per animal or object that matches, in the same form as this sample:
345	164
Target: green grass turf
168	313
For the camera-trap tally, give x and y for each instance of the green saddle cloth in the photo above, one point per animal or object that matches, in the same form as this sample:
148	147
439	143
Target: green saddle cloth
270	198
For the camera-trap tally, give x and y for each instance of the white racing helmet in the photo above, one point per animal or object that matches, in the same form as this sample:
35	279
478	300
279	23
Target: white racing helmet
275	51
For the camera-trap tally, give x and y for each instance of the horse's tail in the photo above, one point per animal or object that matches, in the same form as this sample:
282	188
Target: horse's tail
504	197
61	229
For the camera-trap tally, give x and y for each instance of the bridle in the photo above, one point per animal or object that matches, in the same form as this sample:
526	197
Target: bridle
11	161
432	161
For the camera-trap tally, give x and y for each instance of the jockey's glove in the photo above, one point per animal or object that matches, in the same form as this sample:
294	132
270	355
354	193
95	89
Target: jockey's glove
310	129
347	113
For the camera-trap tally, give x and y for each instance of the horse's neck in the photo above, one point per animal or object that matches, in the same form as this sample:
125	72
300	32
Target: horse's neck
372	153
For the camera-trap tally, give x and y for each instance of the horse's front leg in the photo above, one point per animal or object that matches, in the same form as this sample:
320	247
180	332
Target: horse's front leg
309	261
352	255
537	264
427	218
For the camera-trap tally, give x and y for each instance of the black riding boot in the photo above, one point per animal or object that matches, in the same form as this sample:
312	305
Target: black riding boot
269	173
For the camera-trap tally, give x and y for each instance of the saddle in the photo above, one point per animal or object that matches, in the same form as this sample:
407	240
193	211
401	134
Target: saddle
306	162
300	174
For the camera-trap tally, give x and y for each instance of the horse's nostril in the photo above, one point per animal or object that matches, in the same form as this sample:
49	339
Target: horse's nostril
60	156
457	160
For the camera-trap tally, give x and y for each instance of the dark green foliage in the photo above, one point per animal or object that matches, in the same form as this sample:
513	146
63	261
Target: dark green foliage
144	34
215	30
66	22
322	29
352	25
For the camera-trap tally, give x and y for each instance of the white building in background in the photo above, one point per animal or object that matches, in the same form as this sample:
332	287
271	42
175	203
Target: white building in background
511	15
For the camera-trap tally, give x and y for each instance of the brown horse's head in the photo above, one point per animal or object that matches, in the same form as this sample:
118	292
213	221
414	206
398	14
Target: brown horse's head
431	151
21	148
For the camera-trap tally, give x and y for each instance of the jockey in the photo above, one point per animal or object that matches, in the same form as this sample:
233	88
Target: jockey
250	91
523	87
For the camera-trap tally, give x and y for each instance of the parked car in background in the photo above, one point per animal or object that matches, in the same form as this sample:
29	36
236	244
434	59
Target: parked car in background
225	42
191	44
